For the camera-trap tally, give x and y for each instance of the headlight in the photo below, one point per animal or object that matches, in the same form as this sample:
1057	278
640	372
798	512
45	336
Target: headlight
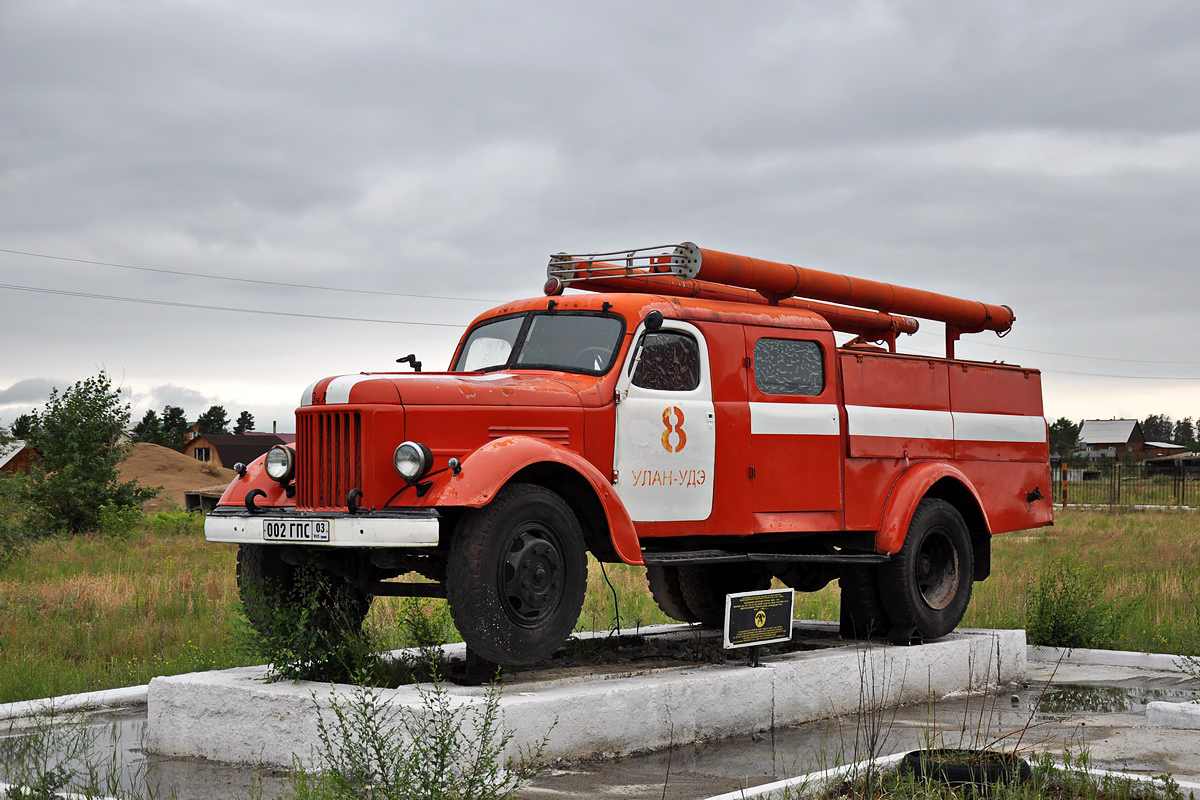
412	460
280	463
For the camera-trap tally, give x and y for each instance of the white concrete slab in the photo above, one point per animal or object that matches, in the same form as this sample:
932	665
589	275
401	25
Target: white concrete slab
1158	662
1185	716
234	716
85	701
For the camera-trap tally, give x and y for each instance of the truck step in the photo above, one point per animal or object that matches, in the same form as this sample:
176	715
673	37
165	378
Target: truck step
681	557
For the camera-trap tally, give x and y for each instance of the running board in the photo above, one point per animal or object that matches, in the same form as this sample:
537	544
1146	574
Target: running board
727	557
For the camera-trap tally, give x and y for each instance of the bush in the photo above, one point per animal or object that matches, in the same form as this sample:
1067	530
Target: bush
168	523
308	631
1064	608
14	534
119	522
78	437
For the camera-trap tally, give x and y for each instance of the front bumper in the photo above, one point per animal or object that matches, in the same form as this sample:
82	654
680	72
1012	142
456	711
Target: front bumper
392	528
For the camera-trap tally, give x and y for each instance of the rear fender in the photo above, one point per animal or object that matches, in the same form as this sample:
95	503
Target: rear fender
487	470
913	485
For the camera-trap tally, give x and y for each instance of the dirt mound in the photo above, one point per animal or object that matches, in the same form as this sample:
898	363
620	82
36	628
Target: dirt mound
153	465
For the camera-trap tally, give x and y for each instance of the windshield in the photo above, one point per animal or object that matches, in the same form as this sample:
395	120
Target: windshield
570	342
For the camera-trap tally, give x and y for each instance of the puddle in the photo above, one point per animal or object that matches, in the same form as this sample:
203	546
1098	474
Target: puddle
1064	699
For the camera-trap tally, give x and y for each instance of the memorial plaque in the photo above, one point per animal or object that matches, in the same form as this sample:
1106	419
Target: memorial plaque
753	618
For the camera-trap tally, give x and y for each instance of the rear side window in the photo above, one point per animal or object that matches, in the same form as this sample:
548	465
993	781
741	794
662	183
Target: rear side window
787	366
669	361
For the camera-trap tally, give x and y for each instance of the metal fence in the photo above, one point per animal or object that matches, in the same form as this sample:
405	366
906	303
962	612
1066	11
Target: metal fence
1115	484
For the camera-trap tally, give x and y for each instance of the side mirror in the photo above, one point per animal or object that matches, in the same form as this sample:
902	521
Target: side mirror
411	358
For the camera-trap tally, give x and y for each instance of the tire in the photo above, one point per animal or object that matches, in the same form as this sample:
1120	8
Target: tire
665	589
927	585
862	612
266	583
517	575
704	587
981	768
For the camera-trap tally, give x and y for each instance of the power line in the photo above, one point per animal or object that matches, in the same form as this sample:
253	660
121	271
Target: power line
248	280
1090	374
1072	355
143	301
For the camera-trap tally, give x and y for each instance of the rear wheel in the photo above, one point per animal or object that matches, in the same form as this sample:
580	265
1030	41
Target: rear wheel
704	587
664	587
927	585
862	613
517	575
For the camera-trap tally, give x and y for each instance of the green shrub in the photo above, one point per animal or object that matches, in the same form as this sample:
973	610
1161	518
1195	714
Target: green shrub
443	749
1064	608
119	522
14	533
168	523
79	440
309	631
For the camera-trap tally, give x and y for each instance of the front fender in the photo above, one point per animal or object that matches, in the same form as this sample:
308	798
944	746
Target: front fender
486	470
255	477
907	493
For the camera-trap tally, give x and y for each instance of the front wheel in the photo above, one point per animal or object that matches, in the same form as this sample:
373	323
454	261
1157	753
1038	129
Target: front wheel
517	575
927	585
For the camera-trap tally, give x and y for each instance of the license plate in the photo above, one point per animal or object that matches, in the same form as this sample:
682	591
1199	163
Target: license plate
296	530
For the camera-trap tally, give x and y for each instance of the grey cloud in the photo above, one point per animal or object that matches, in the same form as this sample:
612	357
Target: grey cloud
29	392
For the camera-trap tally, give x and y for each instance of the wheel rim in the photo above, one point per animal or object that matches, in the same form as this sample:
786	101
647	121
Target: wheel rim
937	570
532	575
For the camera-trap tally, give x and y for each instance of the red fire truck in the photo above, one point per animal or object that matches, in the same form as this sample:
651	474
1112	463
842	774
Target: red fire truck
691	413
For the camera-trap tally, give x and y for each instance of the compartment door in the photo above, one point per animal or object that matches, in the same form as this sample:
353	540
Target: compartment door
795	422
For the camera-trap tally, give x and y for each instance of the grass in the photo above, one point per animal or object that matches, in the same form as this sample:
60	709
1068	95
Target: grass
91	612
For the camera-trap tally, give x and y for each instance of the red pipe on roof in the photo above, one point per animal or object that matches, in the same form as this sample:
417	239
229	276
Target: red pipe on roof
777	280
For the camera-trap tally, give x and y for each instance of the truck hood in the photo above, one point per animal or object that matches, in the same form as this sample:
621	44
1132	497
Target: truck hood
524	388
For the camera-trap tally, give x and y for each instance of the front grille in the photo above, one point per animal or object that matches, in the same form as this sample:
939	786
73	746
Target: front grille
329	456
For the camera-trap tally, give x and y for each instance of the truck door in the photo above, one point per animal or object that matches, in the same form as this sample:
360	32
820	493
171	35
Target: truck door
795	424
666	433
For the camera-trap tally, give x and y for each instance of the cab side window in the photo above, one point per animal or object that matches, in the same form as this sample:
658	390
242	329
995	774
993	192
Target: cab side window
787	366
669	361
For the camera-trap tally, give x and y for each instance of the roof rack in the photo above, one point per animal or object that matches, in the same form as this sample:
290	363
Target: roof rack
872	310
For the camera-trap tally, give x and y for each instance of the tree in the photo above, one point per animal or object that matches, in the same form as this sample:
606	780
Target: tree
79	443
215	420
245	423
149	430
1063	436
174	425
1158	428
23	425
1185	432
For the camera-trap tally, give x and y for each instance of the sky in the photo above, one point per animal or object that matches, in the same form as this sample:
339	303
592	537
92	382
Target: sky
219	202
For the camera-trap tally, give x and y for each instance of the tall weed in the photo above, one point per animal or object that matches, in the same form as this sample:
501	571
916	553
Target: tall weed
58	755
309	630
442	750
1065	608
